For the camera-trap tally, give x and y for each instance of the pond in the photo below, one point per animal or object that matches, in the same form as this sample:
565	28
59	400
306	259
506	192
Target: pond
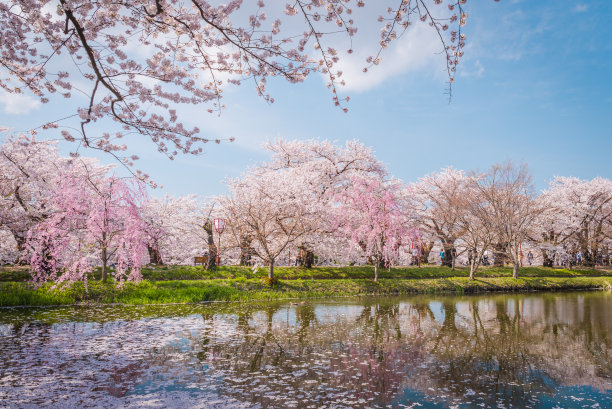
530	350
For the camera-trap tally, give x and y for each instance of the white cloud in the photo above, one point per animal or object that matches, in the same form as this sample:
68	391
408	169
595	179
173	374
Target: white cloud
581	8
418	49
18	104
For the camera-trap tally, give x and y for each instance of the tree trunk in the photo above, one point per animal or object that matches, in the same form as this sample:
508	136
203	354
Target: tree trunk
246	256
425	250
472	269
499	255
307	258
155	256
21	241
246	250
271	271
546	261
448	254
104	265
515	270
588	257
212	249
376	271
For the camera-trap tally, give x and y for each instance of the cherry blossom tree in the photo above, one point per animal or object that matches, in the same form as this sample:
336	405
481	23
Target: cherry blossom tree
31	171
135	61
180	228
171	224
28	174
95	221
474	214
329	169
205	231
581	218
271	207
512	207
437	199
370	215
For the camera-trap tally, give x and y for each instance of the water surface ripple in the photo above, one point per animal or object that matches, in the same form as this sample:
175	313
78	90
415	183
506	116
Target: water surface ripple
504	351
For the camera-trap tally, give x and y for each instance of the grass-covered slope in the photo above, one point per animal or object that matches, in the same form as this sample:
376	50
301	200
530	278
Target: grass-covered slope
168	273
180	284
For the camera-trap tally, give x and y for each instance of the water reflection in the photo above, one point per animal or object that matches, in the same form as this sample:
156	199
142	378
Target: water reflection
494	351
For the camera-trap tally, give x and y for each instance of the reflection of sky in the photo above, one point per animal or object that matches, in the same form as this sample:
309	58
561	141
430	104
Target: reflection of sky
438	310
180	361
575	397
412	399
323	314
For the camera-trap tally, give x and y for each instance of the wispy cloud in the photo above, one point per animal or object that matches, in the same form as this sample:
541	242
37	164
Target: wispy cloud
417	50
472	70
18	104
581	8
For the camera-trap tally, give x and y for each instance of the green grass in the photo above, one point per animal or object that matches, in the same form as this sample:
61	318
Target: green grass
190	291
168	273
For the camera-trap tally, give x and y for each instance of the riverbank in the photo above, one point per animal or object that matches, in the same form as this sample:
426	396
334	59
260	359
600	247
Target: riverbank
303	283
172	273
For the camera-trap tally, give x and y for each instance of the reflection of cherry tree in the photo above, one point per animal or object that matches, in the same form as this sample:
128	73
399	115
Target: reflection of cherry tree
318	361
492	351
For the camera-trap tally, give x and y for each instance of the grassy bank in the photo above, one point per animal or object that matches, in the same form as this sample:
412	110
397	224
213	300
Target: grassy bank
236	289
169	273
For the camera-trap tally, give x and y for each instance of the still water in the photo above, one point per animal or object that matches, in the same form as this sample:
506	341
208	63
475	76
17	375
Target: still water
543	350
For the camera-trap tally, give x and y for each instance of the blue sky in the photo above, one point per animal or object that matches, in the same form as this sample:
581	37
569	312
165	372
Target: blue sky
534	86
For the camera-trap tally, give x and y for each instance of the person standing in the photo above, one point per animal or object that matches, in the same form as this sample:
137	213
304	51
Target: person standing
530	257
415	256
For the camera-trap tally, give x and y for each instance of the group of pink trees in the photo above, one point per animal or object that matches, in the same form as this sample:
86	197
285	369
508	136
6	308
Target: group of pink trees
580	220
370	215
313	197
92	220
499	213
66	216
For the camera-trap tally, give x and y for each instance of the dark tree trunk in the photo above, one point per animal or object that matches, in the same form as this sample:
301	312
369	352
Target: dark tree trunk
449	249
499	254
155	256
246	256
212	248
308	259
104	265
425	250
546	261
246	251
305	257
21	241
589	258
